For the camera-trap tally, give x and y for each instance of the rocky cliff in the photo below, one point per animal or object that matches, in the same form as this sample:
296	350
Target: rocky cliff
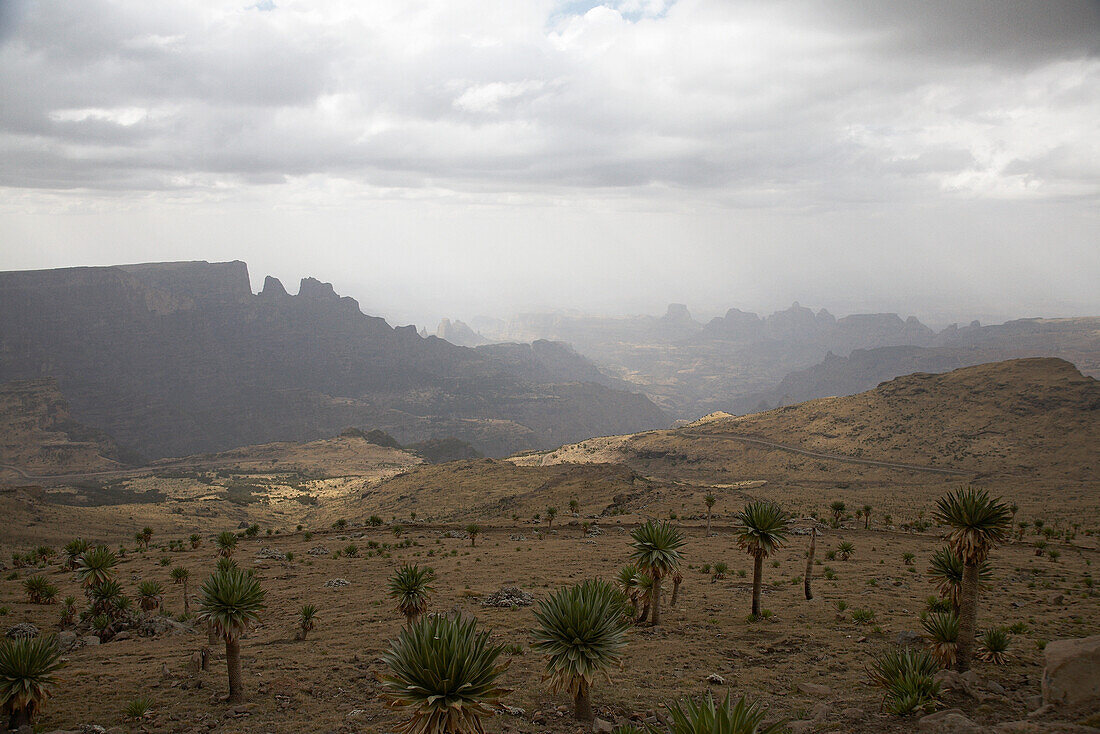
179	358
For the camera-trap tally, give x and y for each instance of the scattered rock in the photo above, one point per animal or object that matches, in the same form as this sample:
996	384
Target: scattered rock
1045	727
599	726
512	710
814	689
908	638
1056	599
336	583
318	550
716	680
273	554
820	712
66	639
1071	675
507	597
158	625
89	640
21	631
951	721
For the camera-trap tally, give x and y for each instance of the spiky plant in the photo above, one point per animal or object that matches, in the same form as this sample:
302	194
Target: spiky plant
410	586
866	517
720	570
225	564
68	612
994	646
231	603
581	630
761	529
845	549
977	524
707	716
655	547
945	569
906	677
195	539
181	575
227	543
138	708
27	676
551	513
150	595
627	582
473	530
95	565
104	596
942	631
306	615
444	672
709	500
73	550
39	589
838	509
644	590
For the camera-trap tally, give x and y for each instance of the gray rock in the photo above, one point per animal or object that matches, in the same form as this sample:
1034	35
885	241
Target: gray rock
89	640
599	726
22	631
951	721
815	689
1071	674
908	638
336	583
508	597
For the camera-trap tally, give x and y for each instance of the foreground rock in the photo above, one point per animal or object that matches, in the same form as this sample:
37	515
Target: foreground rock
1071	676
507	597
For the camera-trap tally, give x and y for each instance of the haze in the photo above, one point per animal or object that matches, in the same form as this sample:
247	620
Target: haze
459	158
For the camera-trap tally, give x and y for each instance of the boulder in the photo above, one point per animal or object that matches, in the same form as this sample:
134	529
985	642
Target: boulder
1071	675
599	726
23	630
951	721
814	689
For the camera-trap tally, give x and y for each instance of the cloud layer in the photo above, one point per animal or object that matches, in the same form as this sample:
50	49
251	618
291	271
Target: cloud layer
723	109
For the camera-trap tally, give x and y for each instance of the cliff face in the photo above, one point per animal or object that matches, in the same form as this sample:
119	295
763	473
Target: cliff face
179	358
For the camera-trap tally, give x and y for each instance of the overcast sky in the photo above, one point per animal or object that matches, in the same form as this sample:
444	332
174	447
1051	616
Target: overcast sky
467	157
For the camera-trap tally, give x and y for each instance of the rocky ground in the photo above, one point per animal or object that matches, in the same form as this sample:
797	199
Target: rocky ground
806	662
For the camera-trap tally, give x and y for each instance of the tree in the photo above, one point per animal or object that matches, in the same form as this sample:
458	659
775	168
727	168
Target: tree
305	620
945	569
473	530
27	668
866	517
95	566
231	603
761	530
150	594
146	535
227	543
581	630
410	587
551	513
73	550
838	509
709	501
977	524
574	506
444	671
656	549
181	575
627	581
810	563
846	549
195	539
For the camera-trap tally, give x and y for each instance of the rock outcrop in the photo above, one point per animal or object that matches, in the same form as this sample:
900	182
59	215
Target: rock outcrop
1071	674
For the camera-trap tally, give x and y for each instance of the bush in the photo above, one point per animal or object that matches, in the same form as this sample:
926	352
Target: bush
906	675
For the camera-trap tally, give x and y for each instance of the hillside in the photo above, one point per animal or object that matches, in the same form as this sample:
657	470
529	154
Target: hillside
175	359
39	436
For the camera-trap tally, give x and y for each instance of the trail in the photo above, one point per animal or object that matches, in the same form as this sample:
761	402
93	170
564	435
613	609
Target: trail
830	457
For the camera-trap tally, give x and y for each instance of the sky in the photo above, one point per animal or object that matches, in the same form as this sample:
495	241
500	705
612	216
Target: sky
460	158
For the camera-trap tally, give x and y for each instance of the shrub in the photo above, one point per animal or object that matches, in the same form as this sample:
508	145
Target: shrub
906	675
994	646
27	676
863	616
708	717
39	590
942	630
138	708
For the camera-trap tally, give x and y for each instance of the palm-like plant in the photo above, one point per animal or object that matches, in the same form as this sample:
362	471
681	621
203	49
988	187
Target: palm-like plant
761	529
231	604
73	550
846	549
68	612
473	530
656	549
942	630
581	631
907	677
977	524
551	513
181	575
444	671
306	615
27	668
227	543
838	509
709	500
945	569
710	717
39	589
627	581
195	539
150	595
105	596
994	646
410	586
94	565
866	517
